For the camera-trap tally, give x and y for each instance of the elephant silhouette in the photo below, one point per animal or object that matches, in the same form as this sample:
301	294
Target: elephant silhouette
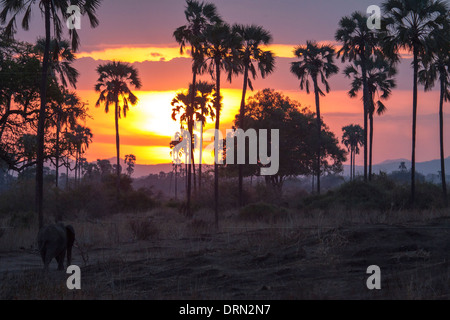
55	241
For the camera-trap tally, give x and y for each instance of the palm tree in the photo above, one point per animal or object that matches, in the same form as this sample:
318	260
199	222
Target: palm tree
219	52
114	83
358	42
61	61
316	61
60	67
204	98
67	113
409	25
80	137
250	52
53	11
437	67
380	82
353	138
188	113
199	16
130	162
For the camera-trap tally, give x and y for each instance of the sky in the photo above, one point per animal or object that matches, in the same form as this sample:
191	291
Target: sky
140	32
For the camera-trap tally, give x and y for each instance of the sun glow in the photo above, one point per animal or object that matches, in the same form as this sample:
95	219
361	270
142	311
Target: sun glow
148	128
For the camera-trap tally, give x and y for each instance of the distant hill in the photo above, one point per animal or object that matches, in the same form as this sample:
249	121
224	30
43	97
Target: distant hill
143	170
388	166
427	167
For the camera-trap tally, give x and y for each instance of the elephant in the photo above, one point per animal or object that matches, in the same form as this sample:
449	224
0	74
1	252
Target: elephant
53	242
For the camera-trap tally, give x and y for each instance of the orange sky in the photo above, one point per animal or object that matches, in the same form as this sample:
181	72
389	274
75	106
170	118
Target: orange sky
148	129
141	32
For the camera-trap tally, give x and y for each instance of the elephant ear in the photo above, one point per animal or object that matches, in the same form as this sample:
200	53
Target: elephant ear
70	233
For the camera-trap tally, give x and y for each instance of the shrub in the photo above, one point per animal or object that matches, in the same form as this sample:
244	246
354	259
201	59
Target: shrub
21	220
199	227
381	193
262	212
143	229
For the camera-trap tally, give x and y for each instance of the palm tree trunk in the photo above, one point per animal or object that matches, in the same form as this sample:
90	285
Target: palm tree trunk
191	144
67	174
351	164
319	132
216	146
176	181
58	129
41	122
366	110
414	127
201	159
76	166
193	166
371	145
354	164
241	126
117	152
189	177
441	134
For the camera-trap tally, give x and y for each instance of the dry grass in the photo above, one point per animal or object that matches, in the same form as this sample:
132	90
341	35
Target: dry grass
120	253
143	229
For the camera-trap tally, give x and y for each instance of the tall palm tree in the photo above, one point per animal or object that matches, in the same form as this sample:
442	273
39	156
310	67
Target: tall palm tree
437	68
61	61
316	61
409	25
67	113
61	68
353	138
80	137
53	11
114	83
219	52
204	97
380	82
199	16
358	42
250	52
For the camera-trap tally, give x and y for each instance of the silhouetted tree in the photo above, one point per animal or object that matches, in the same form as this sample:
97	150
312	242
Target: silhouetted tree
437	68
115	79
316	62
409	25
199	16
358	43
52	11
250	53
380	82
219	52
130	162
353	138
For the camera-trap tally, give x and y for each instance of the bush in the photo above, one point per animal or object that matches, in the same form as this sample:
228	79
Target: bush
199	227
21	220
143	229
262	212
381	193
138	200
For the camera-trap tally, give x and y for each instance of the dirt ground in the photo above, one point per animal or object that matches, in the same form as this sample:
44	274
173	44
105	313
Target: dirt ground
289	261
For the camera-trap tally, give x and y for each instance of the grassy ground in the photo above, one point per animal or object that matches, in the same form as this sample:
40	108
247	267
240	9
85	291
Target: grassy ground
299	255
